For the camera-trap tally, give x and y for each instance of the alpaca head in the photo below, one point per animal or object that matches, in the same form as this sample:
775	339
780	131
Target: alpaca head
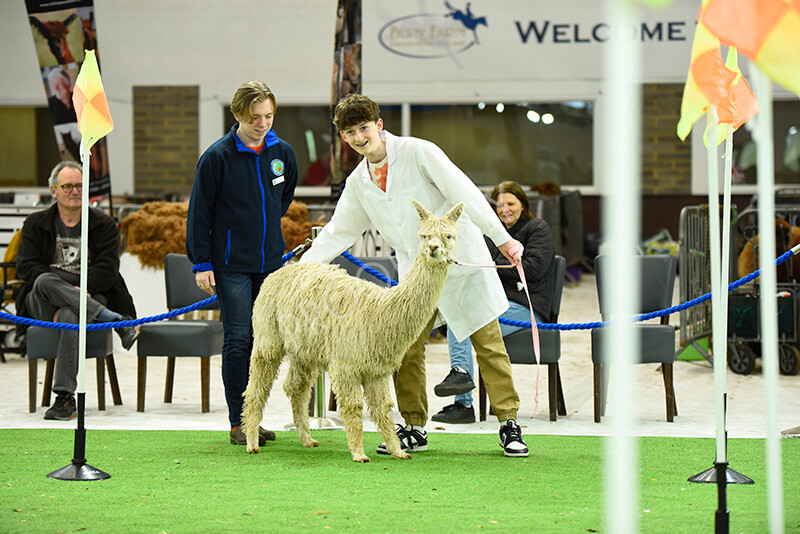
437	235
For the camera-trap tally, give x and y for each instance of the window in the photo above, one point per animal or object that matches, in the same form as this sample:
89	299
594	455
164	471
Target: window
786	132
528	143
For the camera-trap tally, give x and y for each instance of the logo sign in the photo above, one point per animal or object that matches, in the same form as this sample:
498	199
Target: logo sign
277	167
429	36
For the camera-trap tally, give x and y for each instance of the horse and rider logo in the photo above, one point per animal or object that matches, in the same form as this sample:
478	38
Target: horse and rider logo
429	36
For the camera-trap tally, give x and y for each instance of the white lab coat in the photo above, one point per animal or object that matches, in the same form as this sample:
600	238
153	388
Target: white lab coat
420	170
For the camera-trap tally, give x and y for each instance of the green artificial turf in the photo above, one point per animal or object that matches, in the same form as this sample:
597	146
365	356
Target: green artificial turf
194	481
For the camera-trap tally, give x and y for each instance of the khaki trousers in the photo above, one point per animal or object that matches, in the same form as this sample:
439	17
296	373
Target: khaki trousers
493	362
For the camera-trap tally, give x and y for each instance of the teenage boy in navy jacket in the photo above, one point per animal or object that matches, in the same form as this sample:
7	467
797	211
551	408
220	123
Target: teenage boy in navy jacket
244	184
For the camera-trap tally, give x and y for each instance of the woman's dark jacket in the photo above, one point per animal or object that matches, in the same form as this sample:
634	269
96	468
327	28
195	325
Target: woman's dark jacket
537	262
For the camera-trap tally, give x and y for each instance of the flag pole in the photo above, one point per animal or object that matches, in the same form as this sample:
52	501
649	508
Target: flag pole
78	469
94	122
765	170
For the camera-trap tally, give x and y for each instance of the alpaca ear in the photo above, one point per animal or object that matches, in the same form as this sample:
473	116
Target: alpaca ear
455	213
421	210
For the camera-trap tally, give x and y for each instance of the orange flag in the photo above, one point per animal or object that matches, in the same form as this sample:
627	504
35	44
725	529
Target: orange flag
739	104
708	80
766	31
91	106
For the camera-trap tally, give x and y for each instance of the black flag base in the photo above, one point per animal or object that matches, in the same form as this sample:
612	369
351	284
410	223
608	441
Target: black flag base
78	471
710	476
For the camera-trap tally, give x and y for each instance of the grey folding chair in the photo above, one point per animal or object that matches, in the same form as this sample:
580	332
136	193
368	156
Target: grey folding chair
179	338
42	344
519	346
657	340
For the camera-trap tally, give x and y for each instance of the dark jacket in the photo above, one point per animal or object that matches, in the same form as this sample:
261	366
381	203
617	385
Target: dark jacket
238	199
537	262
38	246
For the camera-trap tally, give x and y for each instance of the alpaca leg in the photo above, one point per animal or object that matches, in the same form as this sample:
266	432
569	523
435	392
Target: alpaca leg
264	366
298	388
380	405
351	408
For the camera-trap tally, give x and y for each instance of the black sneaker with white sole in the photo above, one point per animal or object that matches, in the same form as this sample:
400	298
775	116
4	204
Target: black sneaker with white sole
511	440
410	440
456	383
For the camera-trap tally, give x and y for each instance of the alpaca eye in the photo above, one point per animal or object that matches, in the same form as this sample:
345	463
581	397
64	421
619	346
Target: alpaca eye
423	236
449	236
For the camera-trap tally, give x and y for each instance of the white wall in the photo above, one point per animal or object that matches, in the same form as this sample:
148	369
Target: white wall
219	44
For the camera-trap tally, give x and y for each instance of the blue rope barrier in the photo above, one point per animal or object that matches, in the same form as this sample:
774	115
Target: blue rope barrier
121	324
596	324
380	276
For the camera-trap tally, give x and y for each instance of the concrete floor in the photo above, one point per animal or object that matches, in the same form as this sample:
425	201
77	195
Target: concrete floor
694	385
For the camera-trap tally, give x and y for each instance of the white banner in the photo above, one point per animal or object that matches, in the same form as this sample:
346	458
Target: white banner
482	41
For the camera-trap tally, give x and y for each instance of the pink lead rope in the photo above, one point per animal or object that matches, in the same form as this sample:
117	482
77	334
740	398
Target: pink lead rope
534	329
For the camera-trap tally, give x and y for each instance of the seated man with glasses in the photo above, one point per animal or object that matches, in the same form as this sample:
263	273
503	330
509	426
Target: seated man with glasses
49	261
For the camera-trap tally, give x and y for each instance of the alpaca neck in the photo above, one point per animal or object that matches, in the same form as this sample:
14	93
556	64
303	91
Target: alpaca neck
417	295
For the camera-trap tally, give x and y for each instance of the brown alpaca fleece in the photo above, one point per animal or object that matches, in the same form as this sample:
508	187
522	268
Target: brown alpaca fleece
748	259
159	228
295	225
155	230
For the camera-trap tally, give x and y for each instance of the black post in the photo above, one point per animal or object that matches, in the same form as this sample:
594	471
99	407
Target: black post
722	516
79	469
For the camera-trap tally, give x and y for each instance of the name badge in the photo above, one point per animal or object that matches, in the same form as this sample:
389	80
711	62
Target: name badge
278	180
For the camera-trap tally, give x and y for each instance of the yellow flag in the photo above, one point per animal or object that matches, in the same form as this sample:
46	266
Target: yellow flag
91	106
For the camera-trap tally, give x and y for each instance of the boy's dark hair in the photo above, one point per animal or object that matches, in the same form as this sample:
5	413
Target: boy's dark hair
354	109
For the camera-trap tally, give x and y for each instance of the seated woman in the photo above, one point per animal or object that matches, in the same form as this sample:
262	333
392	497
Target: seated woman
511	204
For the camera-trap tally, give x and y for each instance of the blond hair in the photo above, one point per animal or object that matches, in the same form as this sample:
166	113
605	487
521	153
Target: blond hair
248	95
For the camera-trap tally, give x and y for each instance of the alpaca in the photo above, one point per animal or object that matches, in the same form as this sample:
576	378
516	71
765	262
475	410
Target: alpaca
358	331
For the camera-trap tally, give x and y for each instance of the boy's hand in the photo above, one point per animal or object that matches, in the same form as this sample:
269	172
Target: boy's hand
512	250
205	281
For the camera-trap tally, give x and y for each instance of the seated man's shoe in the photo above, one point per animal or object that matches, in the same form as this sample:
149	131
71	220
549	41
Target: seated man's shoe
63	409
238	436
127	334
455	383
455	414
511	440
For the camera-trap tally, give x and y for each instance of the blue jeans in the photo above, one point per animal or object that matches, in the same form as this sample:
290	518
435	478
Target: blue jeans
237	292
461	353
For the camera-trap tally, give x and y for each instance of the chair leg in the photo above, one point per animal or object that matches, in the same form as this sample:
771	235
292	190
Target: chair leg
32	372
205	384
170	380
141	380
669	390
47	386
100	366
562	406
481	397
552	388
598	386
112	380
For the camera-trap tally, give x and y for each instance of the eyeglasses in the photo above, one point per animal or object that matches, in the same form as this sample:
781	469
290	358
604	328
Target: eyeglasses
67	188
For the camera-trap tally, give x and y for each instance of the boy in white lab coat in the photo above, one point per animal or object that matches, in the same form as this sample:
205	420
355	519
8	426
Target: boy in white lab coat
379	191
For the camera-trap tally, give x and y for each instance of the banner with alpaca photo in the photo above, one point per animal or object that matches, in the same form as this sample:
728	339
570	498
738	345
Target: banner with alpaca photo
62	30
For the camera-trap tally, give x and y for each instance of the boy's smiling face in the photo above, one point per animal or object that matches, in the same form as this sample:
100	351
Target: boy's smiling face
365	139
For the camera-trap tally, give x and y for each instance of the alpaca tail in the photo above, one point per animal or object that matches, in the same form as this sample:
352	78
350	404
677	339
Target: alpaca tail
264	365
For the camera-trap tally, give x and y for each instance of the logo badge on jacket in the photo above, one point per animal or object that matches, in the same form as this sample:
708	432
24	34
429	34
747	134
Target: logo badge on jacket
277	167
